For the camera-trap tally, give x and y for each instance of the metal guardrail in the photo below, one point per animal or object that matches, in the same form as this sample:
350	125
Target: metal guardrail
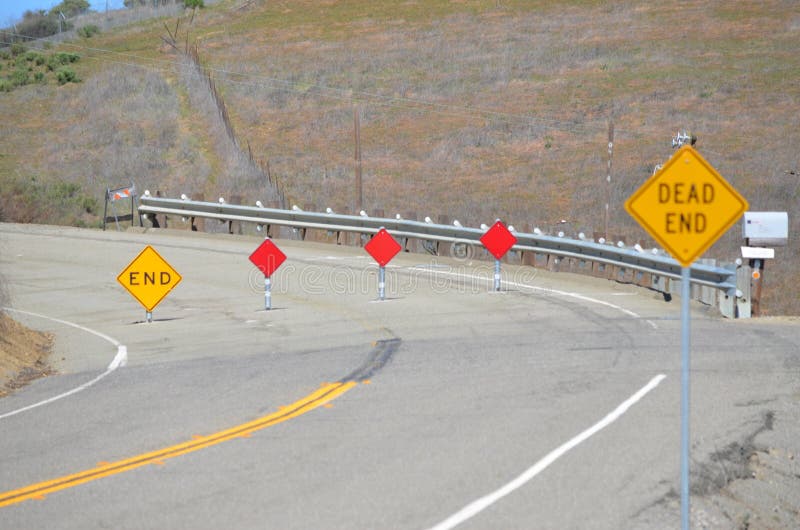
720	278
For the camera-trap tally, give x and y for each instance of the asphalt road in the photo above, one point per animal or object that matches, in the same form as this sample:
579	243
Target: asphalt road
335	410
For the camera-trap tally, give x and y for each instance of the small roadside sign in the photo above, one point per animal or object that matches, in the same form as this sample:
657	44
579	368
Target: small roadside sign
267	257
149	278
498	240
382	247
686	206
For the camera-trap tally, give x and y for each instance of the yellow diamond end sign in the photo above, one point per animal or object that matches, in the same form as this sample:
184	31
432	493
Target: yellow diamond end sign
149	278
686	206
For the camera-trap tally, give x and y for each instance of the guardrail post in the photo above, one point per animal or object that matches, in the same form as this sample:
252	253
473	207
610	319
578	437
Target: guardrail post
305	233
410	244
197	224
527	257
708	295
611	272
235	199
155	219
743	303
442	250
726	302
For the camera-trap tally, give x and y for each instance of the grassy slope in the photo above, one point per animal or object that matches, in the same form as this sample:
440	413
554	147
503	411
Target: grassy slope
475	109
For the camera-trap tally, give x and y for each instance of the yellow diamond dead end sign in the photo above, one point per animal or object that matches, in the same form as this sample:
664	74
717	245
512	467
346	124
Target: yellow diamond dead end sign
149	278
686	206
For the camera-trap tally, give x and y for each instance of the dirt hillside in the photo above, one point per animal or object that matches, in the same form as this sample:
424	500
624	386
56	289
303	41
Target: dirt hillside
23	354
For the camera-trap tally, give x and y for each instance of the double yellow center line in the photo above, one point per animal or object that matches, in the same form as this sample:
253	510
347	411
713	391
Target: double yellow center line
323	395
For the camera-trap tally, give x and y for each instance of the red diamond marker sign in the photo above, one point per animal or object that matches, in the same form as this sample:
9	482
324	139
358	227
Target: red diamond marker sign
498	240
267	257
383	247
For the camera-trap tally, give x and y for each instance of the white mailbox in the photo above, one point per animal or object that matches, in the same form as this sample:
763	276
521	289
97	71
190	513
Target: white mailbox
766	229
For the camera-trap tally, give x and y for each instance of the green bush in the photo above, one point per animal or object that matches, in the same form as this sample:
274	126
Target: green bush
89	204
31	200
61	59
39	77
17	49
38	24
5	85
88	31
34	56
19	77
191	4
5	55
66	75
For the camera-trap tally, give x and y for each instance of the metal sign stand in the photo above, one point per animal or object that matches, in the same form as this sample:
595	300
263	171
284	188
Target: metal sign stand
685	322
382	283
149	316
497	275
267	293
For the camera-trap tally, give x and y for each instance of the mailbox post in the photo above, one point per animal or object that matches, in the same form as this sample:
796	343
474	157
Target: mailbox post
761	230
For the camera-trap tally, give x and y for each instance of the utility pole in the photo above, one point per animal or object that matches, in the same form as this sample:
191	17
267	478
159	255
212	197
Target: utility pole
608	173
357	156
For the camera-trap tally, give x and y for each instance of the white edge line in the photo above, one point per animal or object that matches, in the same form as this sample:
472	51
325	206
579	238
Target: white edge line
545	290
119	360
484	502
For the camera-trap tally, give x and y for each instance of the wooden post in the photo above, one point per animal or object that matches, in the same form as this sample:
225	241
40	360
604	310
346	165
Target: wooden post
756	285
608	173
411	243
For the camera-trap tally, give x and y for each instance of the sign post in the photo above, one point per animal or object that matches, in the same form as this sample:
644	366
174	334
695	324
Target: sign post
686	206
498	240
382	247
149	278
267	257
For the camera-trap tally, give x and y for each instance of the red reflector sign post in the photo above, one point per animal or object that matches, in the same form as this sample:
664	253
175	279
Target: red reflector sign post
267	257
382	247
498	240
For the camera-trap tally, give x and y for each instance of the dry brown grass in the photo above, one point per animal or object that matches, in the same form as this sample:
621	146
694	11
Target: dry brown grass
474	109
